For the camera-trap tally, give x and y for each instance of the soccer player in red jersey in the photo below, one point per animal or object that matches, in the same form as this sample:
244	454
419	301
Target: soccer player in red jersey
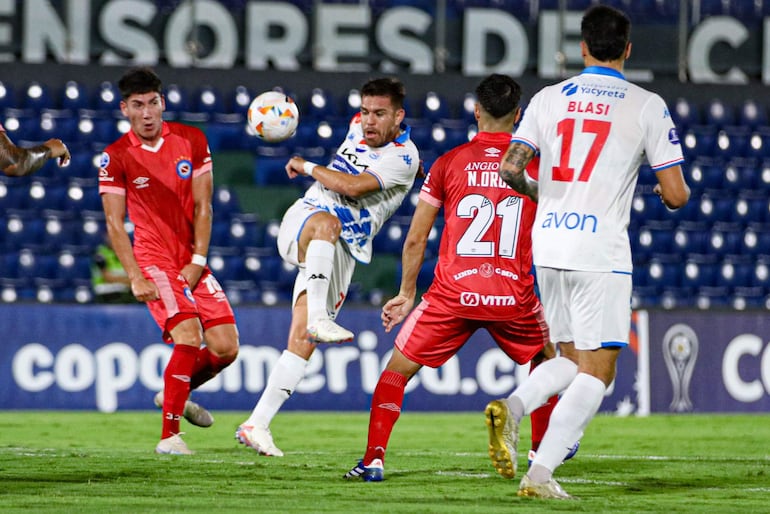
161	173
482	278
16	161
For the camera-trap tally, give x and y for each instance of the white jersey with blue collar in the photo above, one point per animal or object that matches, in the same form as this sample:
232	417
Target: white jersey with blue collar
394	166
592	132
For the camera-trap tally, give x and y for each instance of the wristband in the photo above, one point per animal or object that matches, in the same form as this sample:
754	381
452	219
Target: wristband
198	259
307	167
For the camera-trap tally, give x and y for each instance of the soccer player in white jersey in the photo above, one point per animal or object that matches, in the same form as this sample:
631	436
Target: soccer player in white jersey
331	227
591	132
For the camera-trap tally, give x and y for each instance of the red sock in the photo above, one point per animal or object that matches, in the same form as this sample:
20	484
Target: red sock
539	419
176	387
207	365
386	408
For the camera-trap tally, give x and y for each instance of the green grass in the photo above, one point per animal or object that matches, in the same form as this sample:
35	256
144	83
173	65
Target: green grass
89	462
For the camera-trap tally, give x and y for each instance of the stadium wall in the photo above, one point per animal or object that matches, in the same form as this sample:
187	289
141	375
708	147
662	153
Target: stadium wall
110	358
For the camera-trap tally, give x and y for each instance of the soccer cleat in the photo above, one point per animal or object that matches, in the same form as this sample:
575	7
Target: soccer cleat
173	445
326	331
258	439
193	412
374	472
572	451
503	437
548	490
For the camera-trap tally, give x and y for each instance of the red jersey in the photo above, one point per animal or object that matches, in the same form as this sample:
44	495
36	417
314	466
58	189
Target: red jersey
157	184
485	258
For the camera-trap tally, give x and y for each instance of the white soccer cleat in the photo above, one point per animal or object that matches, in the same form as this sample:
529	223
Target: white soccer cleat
193	412
173	445
258	439
326	331
550	490
503	437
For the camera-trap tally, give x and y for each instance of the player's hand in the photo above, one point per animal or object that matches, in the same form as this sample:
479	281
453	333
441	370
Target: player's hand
395	311
59	151
144	290
192	274
294	167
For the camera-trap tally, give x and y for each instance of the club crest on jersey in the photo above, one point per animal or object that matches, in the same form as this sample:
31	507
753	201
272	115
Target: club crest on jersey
184	168
486	270
104	160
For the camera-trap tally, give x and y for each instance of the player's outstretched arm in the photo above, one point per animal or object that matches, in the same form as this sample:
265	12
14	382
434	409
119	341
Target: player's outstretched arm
513	170
412	257
18	162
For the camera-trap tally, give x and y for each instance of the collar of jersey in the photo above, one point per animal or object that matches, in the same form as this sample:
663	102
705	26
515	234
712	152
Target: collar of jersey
404	135
135	141
494	136
603	70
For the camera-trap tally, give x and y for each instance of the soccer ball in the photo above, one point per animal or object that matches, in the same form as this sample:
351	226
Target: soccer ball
273	116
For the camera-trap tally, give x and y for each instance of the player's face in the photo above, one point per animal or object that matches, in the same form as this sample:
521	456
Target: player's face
380	120
145	113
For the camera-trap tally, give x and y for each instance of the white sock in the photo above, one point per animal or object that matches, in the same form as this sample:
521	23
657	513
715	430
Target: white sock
549	378
570	417
319	261
286	374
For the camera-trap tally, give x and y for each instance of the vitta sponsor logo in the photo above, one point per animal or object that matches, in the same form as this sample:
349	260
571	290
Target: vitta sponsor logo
142	182
470	299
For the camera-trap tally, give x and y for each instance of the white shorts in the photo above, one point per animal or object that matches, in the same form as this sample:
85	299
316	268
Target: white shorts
342	268
591	309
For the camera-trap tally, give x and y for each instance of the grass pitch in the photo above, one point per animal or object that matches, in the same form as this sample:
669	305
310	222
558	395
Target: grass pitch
90	462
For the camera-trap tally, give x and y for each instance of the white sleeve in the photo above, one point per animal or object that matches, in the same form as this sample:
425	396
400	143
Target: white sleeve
662	144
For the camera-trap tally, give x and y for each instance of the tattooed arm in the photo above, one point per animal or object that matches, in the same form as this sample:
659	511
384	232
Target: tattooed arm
513	170
18	162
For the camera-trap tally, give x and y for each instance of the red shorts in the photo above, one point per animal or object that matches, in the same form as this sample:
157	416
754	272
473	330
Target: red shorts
431	338
177	303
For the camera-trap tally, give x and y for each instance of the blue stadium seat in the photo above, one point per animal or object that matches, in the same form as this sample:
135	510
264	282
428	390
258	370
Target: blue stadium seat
657	239
36	265
225	202
321	105
739	176
699	141
663	270
685	113
270	166
748	208
7	95
225	266
13	195
752	114
245	231
709	297
647	206
719	113
756	240
92	231
24	232
208	99
261	265
761	273
37	96
725	239
758	144
220	232
691	238
391	237
435	107
60	231
239	99
107	99
83	197
177	100
351	103
704	173
735	271
73	268
732	141
700	271
420	132
75	96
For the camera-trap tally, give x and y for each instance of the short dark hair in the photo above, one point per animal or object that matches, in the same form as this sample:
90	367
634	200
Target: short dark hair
606	31
499	95
137	81
386	86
